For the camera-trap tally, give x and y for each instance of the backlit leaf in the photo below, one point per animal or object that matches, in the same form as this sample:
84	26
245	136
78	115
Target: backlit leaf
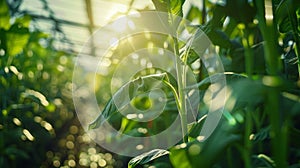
206	153
175	6
4	15
16	39
286	15
134	88
148	157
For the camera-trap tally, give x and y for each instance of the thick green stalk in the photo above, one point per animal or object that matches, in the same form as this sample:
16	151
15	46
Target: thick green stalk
247	142
249	55
248	119
181	81
265	18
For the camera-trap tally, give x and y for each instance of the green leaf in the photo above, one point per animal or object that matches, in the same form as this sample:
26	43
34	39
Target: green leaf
195	127
36	96
263	160
133	89
161	5
262	134
192	57
246	98
230	77
16	39
148	157
298	16
285	7
285	26
23	21
109	111
286	15
4	15
206	153
219	38
180	158
175	6
217	17
194	13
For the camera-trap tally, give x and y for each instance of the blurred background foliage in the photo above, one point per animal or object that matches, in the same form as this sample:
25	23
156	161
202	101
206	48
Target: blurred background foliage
38	124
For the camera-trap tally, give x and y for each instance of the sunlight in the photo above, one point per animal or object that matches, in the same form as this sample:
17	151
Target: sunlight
38	95
28	135
17	121
200	138
139	147
121	25
114	42
268	11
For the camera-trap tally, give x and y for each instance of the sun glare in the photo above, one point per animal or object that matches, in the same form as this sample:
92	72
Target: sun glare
121	25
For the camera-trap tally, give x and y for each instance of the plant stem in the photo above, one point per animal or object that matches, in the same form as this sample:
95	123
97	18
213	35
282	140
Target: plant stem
174	92
203	12
247	142
248	117
248	54
279	145
181	81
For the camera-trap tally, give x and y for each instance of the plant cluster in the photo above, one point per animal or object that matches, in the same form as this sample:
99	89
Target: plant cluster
258	43
38	125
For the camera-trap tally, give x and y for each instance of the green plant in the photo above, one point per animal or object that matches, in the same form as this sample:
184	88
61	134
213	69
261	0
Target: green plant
259	48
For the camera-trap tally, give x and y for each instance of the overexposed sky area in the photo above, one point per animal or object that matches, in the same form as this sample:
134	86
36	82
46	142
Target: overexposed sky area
104	11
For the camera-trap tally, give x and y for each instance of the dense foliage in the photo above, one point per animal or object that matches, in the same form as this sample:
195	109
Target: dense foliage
258	43
38	125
